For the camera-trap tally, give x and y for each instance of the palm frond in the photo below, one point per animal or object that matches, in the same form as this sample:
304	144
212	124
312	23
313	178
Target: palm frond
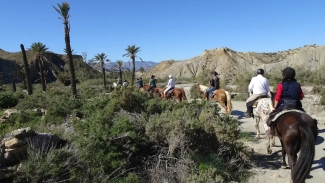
63	10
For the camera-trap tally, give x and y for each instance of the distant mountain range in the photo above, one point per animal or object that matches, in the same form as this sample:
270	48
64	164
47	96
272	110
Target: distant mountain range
138	64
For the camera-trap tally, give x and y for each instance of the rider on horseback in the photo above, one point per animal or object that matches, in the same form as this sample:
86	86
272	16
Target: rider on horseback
152	83
140	82
170	85
259	86
214	82
289	92
288	95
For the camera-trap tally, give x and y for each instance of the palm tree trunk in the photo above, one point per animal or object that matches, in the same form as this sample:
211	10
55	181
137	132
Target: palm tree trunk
69	53
13	83
42	75
133	71
103	69
27	71
120	73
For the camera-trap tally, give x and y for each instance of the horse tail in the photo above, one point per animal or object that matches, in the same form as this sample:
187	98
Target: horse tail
307	152
183	95
229	104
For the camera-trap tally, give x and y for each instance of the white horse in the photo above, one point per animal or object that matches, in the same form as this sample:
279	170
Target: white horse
261	113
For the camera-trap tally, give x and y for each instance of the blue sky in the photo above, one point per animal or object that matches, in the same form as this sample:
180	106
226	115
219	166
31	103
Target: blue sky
164	29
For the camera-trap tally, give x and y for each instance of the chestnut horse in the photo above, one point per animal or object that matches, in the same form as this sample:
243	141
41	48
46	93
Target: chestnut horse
297	131
222	96
177	93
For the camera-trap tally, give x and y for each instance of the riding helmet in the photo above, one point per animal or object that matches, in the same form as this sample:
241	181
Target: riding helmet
289	73
215	73
260	71
170	76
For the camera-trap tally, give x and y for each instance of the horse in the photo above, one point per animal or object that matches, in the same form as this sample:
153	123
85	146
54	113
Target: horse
177	93
261	113
297	131
222	96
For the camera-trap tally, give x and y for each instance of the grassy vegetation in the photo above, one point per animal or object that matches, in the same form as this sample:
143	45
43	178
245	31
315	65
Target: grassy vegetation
127	137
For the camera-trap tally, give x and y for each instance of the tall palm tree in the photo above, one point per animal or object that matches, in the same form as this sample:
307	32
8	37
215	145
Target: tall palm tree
102	58
27	71
63	10
131	51
120	66
40	50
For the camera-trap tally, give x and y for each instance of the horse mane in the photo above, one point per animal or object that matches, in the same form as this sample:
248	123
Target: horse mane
203	88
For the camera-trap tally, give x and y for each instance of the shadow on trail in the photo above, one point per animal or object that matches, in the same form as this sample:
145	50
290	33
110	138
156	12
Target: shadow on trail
320	164
319	140
240	114
266	161
321	131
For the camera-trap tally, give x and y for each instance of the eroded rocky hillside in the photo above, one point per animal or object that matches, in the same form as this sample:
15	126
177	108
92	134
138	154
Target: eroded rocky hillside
229	62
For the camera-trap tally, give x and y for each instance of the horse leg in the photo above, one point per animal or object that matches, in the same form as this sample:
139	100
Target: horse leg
268	147
223	105
284	163
273	141
258	119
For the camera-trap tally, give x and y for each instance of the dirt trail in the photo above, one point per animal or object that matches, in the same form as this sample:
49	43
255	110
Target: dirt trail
267	167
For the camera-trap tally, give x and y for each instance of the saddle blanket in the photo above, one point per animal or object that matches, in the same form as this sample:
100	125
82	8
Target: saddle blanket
286	111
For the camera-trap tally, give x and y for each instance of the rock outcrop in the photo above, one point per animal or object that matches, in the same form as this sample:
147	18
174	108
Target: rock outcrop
12	63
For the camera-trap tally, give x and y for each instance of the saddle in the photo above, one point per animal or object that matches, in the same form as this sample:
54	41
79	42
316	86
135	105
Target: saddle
169	92
272	121
212	94
256	100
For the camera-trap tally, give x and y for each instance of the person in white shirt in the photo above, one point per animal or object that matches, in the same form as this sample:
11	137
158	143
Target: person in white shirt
170	85
259	86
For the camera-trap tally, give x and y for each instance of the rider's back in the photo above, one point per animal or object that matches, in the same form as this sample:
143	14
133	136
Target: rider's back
259	85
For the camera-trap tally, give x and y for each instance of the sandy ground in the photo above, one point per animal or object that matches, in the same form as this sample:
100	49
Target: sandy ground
267	167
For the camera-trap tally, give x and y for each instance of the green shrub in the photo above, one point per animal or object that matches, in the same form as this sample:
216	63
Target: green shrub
8	100
61	165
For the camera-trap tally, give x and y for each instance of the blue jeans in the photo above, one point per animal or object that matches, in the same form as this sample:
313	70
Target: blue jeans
210	90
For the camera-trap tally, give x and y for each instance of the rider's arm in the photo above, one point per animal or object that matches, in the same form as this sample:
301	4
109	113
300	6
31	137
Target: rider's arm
267	86
278	95
301	94
251	85
168	84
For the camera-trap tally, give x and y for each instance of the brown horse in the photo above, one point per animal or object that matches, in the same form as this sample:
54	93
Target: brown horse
177	93
297	132
222	96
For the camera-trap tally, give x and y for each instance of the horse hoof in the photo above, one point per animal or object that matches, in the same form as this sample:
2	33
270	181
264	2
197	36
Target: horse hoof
257	136
269	151
284	167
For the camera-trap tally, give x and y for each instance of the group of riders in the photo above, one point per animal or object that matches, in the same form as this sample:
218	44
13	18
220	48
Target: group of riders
288	95
289	92
152	84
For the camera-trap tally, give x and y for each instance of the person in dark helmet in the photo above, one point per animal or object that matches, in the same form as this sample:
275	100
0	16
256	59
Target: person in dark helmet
288	95
215	85
259	86
289	92
152	83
